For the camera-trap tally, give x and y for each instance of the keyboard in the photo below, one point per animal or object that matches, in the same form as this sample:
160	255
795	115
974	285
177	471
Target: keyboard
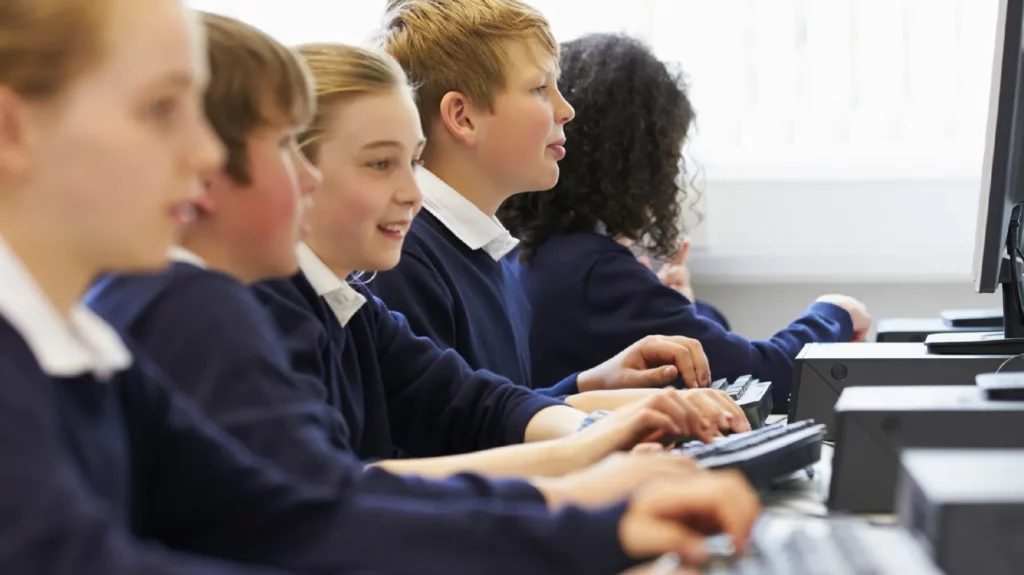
752	395
834	546
764	455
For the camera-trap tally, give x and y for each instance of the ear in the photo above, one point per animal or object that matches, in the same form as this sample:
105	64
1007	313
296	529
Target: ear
458	117
15	135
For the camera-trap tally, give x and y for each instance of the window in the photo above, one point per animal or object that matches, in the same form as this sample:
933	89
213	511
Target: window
838	133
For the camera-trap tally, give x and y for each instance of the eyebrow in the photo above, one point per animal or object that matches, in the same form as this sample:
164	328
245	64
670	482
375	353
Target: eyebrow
389	144
177	79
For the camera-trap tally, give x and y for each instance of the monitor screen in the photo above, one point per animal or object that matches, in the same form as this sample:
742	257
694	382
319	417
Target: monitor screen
1004	144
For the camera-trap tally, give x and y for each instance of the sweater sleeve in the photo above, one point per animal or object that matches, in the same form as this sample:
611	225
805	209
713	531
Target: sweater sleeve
444	406
219	346
627	301
249	513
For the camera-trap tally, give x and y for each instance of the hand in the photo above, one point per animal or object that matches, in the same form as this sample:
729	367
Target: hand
614	479
661	414
676	272
674	517
717	408
714	407
654	361
858	313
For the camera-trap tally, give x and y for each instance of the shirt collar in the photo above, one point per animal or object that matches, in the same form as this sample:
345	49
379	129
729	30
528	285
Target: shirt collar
63	348
185	256
343	300
463	219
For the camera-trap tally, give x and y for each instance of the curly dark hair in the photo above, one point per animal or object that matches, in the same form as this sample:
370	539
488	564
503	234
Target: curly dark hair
624	165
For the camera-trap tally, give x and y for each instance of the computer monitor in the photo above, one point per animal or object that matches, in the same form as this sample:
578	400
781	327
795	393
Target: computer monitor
1002	188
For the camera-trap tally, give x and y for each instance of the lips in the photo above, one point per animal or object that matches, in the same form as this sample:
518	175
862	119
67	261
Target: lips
558	147
396	230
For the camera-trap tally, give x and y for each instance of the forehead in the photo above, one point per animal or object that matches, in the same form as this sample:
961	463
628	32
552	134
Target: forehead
526	58
388	115
152	40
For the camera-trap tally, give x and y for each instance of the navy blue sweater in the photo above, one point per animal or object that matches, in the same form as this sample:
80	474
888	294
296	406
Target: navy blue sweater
216	342
463	299
394	389
591	297
124	477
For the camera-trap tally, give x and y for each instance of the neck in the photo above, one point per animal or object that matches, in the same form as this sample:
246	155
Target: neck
318	247
465	178
61	276
218	256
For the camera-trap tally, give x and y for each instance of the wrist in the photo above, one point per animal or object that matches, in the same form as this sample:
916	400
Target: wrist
555	495
588	380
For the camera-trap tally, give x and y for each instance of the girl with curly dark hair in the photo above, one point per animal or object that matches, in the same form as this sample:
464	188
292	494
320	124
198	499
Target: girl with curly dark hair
620	185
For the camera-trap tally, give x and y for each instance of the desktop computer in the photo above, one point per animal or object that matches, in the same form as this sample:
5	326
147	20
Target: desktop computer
875	424
823	371
967	507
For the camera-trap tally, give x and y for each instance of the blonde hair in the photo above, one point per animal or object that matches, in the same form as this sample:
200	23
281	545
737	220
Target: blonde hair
343	72
252	78
45	44
458	46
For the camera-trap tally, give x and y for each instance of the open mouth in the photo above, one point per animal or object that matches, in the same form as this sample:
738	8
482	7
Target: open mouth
394	231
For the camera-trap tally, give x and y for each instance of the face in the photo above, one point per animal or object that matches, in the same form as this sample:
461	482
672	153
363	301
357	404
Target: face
521	142
261	223
369	195
106	170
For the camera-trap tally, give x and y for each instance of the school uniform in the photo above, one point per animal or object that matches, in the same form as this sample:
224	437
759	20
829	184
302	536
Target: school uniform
399	394
208	332
590	298
457	284
108	470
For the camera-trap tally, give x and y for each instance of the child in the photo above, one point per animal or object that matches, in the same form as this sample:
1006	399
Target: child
203	327
485	72
398	394
106	470
620	185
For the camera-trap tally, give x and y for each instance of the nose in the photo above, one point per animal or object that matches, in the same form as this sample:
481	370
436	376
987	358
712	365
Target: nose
204	150
310	178
408	192
564	112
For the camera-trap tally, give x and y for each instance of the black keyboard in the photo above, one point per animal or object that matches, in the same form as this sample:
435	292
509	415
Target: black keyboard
752	395
764	455
840	546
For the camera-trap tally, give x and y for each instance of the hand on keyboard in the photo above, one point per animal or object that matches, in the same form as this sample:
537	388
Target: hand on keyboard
674	517
660	414
717	408
614	479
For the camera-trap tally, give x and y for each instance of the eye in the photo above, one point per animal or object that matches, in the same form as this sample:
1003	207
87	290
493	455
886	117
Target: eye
380	165
286	142
162	110
417	163
540	89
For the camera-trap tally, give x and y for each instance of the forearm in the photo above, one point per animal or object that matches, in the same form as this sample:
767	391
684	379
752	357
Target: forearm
609	400
554	422
539	459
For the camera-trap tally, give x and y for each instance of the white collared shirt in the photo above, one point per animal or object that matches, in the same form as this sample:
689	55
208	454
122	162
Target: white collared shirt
62	347
344	300
186	256
462	218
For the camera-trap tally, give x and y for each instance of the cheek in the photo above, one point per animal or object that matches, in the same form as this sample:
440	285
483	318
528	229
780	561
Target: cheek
351	208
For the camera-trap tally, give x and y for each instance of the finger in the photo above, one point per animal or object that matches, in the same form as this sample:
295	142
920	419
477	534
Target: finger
683	254
716	501
647	449
682	412
709	409
739	418
650	425
670	351
654	377
699	359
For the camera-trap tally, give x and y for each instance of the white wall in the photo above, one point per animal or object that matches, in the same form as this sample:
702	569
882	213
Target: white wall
759	310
